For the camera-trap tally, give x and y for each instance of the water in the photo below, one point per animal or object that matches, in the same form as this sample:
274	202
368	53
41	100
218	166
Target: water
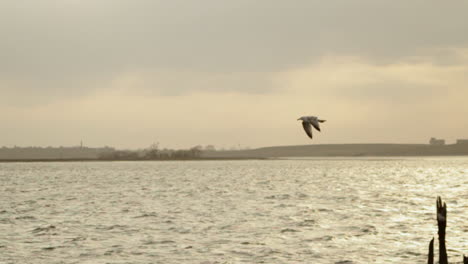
271	211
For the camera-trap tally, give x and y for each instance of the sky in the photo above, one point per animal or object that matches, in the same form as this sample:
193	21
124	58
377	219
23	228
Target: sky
129	73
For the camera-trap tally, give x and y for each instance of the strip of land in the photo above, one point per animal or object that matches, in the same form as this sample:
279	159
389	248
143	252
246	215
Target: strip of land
345	150
329	150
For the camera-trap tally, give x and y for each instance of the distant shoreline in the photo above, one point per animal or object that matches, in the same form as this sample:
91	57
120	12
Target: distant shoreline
117	160
346	150
220	159
278	152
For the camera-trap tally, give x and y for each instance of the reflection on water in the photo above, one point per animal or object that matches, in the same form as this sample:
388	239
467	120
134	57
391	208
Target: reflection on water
277	211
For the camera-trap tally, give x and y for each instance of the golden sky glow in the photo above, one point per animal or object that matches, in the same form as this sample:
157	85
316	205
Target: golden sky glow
130	73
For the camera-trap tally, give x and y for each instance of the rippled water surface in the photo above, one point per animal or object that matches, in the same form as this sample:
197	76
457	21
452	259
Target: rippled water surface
269	211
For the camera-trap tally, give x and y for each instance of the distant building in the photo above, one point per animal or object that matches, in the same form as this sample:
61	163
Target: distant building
462	141
437	142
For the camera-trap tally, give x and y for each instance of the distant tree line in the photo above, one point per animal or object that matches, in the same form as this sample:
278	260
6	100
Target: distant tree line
77	152
153	153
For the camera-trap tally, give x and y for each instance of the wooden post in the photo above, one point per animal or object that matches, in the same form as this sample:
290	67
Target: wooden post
442	224
430	257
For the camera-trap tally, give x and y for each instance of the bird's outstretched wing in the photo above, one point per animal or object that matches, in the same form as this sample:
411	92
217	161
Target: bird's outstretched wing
307	128
315	123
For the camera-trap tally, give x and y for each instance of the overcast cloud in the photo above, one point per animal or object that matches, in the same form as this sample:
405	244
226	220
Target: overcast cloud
130	61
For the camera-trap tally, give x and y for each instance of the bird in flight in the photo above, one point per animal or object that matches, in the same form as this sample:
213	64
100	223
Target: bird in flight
308	122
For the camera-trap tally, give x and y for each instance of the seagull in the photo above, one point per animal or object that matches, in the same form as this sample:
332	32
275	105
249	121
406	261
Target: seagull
308	122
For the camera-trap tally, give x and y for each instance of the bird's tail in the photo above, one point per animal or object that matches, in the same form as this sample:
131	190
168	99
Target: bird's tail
321	121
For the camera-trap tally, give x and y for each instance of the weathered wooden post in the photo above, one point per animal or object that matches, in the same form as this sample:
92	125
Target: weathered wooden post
430	259
442	224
